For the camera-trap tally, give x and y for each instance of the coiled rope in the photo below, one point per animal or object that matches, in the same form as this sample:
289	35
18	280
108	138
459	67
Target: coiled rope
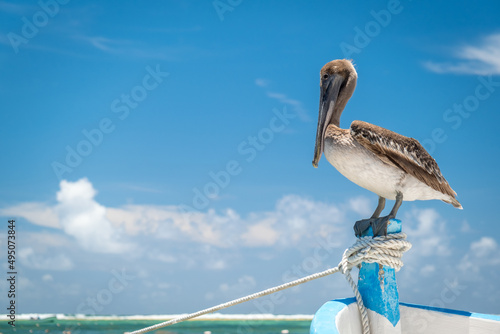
385	250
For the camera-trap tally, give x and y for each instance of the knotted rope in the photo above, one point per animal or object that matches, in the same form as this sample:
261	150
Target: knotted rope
385	250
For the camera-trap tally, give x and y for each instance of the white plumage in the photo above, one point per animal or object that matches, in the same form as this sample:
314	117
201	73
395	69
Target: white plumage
364	168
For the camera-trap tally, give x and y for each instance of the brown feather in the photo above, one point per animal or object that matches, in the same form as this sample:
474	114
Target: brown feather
402	152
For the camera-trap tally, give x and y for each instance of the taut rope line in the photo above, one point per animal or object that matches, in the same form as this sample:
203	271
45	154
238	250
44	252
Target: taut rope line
385	250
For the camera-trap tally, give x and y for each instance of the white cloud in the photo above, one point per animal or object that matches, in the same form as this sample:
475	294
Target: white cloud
78	215
26	284
480	59
427	231
159	256
427	270
84	219
31	259
296	105
484	247
164	286
175	241
295	220
465	228
47	242
262	82
47	278
37	213
215	264
261	234
214	240
172	237
170	222
433	257
362	206
245	284
483	253
306	220
107	44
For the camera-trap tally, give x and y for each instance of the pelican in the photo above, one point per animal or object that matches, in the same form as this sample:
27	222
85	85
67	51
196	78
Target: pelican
392	166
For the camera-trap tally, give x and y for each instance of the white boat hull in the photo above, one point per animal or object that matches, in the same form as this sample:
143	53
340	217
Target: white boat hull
341	316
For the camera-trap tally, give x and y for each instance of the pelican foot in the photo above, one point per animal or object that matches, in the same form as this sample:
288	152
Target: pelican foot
379	226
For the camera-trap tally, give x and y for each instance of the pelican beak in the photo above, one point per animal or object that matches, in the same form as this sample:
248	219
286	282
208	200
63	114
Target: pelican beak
330	89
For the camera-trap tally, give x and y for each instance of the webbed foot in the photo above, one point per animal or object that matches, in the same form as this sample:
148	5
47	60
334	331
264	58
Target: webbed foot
379	226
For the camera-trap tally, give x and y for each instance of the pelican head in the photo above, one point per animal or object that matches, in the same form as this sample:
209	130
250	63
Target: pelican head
338	80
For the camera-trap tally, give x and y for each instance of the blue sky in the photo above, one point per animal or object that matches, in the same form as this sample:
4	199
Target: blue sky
157	155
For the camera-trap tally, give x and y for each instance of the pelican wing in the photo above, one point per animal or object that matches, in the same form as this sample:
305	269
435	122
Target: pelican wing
402	152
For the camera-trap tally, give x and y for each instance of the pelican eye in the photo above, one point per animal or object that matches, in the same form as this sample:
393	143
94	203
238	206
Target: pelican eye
325	76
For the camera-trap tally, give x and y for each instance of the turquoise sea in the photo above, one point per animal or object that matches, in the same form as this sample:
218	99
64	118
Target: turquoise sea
53	325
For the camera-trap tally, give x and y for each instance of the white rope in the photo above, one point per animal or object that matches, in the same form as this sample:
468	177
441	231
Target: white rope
384	250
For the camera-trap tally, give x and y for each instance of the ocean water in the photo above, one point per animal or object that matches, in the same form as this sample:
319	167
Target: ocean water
119	326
